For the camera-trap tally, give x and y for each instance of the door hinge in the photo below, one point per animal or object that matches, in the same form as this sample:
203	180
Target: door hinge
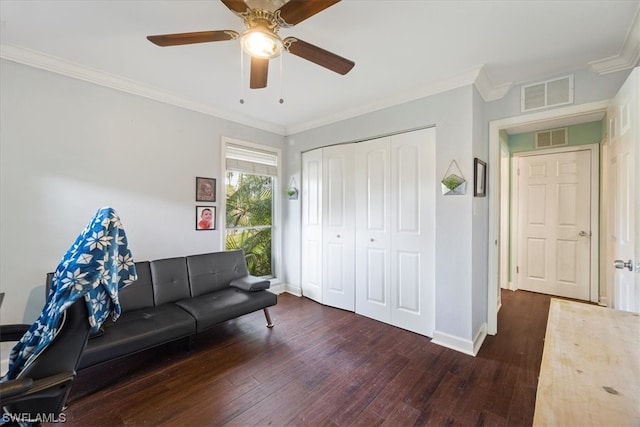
518	171
517	270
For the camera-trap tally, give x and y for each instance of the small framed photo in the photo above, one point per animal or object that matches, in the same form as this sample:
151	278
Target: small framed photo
205	189
205	217
480	178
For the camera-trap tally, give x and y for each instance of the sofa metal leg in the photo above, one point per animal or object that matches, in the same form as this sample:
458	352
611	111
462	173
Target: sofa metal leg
268	316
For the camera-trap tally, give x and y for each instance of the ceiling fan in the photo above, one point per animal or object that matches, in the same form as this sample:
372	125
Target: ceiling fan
260	39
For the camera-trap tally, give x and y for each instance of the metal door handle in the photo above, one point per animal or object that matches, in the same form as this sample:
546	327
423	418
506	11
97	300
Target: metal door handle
584	233
622	265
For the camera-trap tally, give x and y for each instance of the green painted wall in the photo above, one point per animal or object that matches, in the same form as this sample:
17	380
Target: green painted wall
585	133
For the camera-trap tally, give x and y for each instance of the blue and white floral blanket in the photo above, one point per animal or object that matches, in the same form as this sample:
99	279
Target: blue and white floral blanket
96	267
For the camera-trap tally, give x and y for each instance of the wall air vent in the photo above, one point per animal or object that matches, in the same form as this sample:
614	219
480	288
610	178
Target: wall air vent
549	93
552	138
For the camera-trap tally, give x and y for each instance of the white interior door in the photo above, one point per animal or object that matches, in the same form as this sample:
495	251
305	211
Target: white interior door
623	161
311	197
413	186
554	224
373	257
338	274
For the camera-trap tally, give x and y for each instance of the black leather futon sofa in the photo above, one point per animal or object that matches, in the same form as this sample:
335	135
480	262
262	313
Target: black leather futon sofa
176	298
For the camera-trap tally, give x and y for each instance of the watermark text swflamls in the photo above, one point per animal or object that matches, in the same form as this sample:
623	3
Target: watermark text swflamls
34	418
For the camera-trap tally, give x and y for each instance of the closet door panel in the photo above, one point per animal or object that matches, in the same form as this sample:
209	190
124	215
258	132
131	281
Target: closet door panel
407	158
376	292
311	197
372	230
338	227
408	282
413	186
336	191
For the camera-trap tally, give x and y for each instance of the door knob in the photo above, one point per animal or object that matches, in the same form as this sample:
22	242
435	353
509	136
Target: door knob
621	264
584	234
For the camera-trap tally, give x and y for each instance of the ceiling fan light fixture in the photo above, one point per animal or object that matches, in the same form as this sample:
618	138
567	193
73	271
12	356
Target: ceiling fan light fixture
261	43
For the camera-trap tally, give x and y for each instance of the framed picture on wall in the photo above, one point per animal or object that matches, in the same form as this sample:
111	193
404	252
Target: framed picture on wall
205	189
480	178
205	218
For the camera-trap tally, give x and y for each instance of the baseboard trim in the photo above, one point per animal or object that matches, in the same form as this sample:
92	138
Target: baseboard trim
479	338
294	290
278	289
460	344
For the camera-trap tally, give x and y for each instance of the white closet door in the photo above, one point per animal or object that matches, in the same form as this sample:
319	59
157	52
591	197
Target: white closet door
338	227
311	197
413	186
373	178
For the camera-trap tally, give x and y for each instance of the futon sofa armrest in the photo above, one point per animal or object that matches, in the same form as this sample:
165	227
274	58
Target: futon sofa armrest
250	283
17	390
13	388
13	332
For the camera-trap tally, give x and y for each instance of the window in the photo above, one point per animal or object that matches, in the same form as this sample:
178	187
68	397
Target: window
251	174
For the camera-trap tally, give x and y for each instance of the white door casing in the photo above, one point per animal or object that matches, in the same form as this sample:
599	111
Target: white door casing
540	120
555	204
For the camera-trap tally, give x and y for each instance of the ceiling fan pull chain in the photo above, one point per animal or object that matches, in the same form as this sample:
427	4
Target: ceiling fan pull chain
241	74
281	100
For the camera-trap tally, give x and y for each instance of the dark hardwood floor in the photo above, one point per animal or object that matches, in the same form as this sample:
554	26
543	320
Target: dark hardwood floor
321	366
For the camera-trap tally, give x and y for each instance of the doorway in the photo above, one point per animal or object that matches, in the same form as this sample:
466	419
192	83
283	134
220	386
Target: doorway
527	123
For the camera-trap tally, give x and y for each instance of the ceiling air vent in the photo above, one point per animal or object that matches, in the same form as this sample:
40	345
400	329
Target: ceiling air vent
549	93
552	138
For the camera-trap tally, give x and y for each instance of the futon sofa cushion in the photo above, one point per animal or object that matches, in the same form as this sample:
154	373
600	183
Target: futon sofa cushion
225	304
140	293
214	271
170	280
138	330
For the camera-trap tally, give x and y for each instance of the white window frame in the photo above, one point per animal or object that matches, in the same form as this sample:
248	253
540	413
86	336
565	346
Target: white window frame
276	226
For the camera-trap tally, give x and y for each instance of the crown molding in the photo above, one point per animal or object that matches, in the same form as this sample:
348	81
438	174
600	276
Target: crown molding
476	76
629	55
74	70
487	90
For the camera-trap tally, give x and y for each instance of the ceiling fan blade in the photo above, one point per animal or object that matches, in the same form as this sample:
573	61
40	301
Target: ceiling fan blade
296	11
238	6
190	38
259	73
318	55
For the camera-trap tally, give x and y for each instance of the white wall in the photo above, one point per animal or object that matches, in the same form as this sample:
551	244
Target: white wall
68	147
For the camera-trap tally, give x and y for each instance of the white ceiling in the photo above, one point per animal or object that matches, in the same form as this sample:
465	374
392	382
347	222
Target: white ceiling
402	50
